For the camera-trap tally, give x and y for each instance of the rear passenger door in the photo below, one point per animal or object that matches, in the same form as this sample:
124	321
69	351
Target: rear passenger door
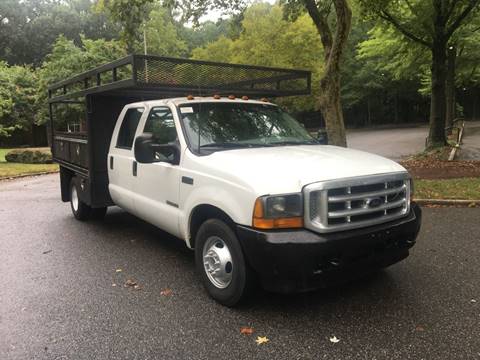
122	166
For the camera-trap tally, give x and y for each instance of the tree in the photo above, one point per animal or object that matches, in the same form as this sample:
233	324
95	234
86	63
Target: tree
432	25
130	14
333	39
67	59
162	35
17	98
28	28
267	39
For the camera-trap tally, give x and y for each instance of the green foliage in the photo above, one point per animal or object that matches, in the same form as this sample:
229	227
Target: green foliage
400	59
17	98
209	31
130	14
29	156
162	35
268	39
67	59
28	28
392	56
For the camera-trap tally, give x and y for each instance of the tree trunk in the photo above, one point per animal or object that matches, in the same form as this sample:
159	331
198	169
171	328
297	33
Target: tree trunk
333	46
450	84
436	136
331	108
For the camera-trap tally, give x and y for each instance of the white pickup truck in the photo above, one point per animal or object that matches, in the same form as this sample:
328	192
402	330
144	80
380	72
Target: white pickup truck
253	193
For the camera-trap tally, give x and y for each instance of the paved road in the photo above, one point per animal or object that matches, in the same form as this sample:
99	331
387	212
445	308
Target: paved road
57	300
470	149
391	143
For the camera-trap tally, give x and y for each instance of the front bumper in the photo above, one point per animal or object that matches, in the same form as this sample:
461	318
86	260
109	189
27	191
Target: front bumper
300	260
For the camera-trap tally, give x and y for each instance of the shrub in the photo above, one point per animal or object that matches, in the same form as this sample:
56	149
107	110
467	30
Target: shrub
29	156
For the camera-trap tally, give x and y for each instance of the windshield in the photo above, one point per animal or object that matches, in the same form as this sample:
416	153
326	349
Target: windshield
213	126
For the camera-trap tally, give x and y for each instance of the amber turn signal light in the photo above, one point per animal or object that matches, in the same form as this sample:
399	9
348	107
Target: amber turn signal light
260	222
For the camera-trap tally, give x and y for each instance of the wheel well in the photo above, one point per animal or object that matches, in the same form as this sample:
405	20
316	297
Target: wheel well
201	213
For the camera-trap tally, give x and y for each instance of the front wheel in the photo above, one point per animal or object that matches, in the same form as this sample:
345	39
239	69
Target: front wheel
80	210
221	264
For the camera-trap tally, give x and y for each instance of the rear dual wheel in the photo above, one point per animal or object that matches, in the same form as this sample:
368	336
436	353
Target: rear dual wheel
81	210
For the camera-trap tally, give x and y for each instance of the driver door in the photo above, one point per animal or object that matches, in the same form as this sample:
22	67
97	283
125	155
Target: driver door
156	186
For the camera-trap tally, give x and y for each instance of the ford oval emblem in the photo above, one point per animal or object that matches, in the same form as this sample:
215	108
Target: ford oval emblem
373	203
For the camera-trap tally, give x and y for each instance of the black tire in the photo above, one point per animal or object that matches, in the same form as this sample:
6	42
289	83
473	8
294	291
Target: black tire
80	210
98	213
241	274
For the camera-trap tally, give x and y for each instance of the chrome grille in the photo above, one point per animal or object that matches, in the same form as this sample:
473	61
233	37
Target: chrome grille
356	202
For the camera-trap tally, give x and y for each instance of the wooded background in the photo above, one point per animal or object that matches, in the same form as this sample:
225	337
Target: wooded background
384	68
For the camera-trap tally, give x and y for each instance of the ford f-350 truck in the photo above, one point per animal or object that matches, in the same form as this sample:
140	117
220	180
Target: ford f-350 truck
239	180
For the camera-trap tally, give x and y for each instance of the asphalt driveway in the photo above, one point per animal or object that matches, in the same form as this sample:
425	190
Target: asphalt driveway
63	297
395	143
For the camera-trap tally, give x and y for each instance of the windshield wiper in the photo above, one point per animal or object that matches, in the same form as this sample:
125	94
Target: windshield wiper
306	142
230	145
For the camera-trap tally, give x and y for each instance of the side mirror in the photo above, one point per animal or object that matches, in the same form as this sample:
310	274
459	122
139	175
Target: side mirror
148	152
322	137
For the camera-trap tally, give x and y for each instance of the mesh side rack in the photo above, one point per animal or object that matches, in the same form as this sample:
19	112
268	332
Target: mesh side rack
155	76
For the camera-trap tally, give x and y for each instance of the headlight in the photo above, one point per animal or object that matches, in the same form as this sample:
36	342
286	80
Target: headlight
279	211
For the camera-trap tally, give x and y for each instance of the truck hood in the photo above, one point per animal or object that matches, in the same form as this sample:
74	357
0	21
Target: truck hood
285	169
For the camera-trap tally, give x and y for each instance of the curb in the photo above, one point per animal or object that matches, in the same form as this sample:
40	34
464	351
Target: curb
27	175
446	202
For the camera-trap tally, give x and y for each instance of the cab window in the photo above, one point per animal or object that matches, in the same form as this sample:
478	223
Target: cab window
129	127
161	125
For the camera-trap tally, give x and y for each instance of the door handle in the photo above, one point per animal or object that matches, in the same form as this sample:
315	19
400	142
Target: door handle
111	162
134	168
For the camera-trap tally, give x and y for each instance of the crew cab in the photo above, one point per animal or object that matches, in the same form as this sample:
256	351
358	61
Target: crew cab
246	187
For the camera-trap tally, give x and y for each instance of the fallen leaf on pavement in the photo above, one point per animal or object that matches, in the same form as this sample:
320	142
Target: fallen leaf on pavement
334	340
261	340
130	283
246	330
166	292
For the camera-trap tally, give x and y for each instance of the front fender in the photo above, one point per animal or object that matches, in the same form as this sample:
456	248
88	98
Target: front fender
237	204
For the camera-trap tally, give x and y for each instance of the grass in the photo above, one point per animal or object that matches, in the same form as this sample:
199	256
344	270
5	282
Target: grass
3	152
16	169
464	188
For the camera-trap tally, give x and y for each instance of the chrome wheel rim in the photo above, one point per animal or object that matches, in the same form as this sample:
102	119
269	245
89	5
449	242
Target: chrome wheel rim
74	198
217	262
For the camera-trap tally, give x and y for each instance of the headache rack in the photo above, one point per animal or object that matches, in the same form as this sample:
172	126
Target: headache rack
150	77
